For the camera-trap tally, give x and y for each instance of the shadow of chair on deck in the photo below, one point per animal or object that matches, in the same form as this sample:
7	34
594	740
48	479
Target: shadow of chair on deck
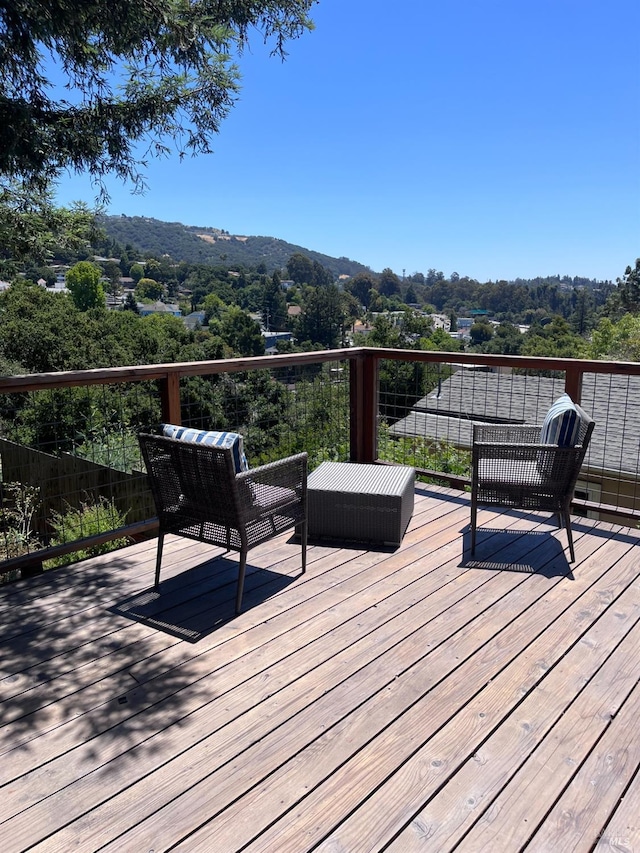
532	552
193	604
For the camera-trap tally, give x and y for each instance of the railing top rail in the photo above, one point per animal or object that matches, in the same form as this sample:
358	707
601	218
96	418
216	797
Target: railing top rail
139	373
516	361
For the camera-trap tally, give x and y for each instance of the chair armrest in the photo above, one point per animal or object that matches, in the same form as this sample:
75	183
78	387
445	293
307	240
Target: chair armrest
506	434
286	472
275	485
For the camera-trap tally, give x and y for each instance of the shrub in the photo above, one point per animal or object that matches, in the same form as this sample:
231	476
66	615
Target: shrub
19	505
91	518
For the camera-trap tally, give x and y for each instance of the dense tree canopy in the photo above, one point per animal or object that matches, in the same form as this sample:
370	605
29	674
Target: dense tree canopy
125	72
42	331
629	286
554	339
33	229
617	341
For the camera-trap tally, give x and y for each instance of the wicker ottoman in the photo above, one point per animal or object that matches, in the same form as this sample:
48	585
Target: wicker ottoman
366	503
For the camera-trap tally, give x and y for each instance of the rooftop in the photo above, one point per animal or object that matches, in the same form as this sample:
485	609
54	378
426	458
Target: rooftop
387	700
448	412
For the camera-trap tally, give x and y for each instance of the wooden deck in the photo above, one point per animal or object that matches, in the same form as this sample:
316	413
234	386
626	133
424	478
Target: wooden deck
402	700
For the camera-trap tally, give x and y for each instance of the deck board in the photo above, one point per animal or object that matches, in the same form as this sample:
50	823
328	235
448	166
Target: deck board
409	699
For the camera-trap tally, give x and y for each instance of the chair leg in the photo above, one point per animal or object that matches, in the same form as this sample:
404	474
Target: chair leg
159	559
567	524
303	540
474	515
243	568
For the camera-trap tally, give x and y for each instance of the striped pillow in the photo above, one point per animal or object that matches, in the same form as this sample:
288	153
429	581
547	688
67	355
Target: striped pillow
209	438
561	424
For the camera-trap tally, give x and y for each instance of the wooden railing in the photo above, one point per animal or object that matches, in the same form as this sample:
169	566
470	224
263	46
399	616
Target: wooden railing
364	364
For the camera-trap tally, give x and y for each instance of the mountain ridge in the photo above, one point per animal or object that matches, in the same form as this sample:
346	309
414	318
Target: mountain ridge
205	244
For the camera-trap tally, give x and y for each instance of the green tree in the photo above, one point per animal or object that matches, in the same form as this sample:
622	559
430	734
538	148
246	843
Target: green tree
136	272
321	277
389	284
507	340
322	319
130	303
274	305
480	332
629	287
148	288
554	339
148	73
361	286
582	318
616	340
441	341
351	308
241	333
214	308
112	273
153	269
415	325
83	282
411	297
300	269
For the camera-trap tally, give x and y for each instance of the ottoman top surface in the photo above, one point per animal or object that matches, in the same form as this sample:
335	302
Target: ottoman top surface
360	479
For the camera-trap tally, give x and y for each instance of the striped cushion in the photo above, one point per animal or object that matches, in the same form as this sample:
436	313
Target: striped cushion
561	424
232	440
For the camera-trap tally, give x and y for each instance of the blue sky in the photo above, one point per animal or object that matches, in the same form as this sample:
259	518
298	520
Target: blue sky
496	138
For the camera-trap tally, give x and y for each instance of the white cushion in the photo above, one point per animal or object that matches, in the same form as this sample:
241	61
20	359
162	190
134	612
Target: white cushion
211	438
562	423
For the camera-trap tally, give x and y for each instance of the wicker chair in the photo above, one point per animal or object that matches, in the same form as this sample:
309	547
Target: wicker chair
510	468
198	494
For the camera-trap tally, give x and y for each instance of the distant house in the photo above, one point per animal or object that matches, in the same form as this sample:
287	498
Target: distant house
272	339
611	470
146	309
196	318
294	310
114	303
360	328
441	321
58	287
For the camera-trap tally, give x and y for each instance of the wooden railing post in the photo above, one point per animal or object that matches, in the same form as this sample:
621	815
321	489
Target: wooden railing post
573	383
170	399
363	391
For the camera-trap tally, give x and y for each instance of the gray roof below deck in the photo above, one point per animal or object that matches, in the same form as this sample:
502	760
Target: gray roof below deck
448	412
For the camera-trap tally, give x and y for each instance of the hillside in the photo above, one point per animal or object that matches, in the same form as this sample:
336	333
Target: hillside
212	245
